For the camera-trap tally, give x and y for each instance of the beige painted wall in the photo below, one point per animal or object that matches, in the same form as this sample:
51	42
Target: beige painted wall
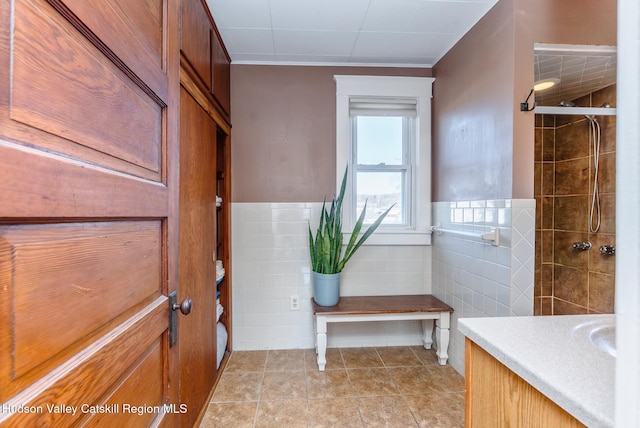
483	144
284	127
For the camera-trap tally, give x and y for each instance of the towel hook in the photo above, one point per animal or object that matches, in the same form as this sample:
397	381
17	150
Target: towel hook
525	105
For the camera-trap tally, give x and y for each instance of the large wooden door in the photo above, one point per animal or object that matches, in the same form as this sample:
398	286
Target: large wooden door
197	254
88	212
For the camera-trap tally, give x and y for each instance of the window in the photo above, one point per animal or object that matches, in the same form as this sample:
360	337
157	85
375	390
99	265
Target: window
383	135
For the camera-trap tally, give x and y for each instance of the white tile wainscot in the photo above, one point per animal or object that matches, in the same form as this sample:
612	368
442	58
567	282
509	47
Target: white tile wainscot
425	308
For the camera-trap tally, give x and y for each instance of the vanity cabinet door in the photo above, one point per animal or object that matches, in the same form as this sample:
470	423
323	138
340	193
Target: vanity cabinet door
497	397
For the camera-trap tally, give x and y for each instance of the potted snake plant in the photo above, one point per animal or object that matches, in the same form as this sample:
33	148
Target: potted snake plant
327	255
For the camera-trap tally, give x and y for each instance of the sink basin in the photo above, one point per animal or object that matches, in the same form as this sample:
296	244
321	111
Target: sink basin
604	338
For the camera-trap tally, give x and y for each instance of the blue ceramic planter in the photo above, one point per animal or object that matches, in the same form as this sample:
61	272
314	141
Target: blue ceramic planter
326	288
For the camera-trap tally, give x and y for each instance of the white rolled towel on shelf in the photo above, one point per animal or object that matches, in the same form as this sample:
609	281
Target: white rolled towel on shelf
218	201
219	310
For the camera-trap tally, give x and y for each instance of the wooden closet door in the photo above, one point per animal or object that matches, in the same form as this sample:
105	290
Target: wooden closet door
88	237
197	254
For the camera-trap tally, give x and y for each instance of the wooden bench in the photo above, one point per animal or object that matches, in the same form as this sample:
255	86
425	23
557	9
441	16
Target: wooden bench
422	307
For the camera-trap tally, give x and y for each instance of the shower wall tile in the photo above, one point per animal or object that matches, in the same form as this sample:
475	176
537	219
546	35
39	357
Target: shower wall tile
571	177
571	212
565	254
598	262
548	145
601	294
572	141
271	263
569	215
476	278
571	284
608	213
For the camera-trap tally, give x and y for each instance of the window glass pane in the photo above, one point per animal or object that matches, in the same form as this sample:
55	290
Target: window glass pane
381	190
379	140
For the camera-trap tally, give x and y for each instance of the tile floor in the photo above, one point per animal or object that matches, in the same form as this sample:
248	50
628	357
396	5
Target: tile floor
361	387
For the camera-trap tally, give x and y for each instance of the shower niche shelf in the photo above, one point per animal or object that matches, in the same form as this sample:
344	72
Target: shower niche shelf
595	111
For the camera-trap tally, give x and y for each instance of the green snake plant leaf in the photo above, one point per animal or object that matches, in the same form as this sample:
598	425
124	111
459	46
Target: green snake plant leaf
351	247
326	247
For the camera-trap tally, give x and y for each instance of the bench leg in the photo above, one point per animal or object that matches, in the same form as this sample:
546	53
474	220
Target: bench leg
442	338
321	341
427	332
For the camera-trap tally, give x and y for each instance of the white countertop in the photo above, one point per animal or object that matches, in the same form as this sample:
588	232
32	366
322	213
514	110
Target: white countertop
555	355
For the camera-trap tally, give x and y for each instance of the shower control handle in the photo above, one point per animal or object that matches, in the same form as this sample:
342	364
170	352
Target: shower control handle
582	246
608	250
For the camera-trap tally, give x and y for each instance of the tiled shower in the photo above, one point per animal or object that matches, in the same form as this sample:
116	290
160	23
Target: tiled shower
569	280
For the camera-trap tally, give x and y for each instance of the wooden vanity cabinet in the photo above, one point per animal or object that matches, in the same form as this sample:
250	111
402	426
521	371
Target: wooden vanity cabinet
497	397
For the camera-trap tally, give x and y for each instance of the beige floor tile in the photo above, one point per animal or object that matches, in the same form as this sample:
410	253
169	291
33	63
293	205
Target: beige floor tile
246	361
282	385
328	384
415	380
448	378
361	357
333	357
282	413
427	356
244	386
382	387
386	411
285	359
394	356
371	381
334	412
437	410
224	415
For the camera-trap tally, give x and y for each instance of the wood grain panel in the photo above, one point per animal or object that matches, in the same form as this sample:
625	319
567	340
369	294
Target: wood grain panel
197	244
65	188
221	73
497	397
133	30
61	84
139	394
87	377
58	297
196	38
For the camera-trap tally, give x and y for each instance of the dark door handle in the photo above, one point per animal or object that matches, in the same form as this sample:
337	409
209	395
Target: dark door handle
185	306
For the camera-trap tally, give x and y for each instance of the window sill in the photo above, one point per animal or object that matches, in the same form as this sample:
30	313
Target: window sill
394	238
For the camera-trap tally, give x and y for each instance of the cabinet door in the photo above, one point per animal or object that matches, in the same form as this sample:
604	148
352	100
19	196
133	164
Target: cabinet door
197	252
87	247
221	73
196	38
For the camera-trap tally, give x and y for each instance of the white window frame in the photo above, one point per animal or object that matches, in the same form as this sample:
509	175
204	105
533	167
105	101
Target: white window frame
419	88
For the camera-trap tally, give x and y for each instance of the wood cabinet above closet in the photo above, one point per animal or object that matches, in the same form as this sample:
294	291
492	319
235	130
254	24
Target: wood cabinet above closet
204	53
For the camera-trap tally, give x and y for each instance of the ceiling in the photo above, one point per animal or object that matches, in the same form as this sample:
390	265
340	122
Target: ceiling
579	69
398	33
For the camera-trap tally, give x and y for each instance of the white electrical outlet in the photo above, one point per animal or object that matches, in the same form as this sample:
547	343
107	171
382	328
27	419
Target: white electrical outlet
294	303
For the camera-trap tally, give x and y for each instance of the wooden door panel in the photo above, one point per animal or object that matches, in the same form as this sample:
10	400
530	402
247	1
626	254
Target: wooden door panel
133	30
195	41
65	188
141	391
57	299
90	375
221	73
89	150
197	250
63	85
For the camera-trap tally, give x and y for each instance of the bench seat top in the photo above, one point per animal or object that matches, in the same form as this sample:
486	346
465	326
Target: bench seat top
360	305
